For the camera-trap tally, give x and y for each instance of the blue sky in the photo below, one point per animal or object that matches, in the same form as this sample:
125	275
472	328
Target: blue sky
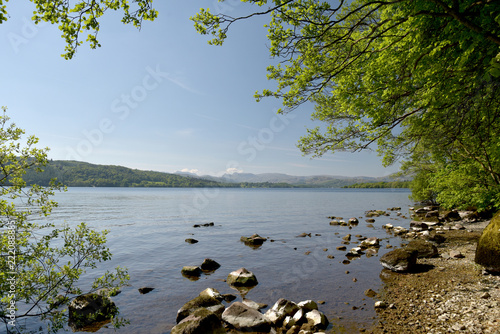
160	98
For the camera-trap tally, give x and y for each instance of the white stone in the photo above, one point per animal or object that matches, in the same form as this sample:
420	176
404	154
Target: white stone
317	319
308	305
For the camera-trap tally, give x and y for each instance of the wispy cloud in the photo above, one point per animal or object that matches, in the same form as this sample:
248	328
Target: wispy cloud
220	120
181	81
188	132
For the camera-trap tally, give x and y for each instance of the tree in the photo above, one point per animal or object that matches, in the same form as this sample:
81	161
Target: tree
403	77
40	263
83	16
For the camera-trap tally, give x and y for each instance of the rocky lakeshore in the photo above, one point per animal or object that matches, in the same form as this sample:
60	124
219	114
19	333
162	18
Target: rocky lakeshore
431	283
449	293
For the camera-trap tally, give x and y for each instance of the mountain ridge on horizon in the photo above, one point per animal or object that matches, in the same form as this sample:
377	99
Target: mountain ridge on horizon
311	180
80	173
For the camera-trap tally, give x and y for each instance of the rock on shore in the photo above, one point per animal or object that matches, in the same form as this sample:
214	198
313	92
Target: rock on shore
447	295
206	314
488	247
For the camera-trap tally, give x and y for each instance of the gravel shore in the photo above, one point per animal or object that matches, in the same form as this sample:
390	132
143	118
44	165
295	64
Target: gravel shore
447	294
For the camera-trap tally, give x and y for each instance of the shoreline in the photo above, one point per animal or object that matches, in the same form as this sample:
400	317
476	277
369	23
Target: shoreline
445	295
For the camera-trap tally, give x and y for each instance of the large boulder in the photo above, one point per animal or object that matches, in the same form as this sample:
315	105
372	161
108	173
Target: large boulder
204	301
245	318
242	278
488	246
399	260
424	248
201	321
88	309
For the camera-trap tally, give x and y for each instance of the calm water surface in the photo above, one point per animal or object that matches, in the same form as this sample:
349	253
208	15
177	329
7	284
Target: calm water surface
148	228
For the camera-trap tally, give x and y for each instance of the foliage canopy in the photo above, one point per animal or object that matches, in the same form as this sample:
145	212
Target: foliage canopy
417	80
78	17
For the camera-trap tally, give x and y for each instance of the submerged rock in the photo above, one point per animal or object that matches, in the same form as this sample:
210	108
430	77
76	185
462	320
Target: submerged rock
145	290
209	265
253	241
88	309
242	277
370	242
194	271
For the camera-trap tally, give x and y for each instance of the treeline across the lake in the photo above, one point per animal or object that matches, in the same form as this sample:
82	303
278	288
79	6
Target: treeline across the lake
392	184
82	174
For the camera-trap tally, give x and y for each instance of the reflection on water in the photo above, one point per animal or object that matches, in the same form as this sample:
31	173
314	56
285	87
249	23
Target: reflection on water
148	229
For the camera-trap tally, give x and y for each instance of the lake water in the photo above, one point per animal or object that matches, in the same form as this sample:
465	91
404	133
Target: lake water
148	228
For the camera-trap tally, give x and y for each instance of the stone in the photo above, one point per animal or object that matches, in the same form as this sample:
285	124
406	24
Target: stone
399	230
370	293
89	309
209	265
418	226
191	271
254	305
372	213
370	220
353	221
370	242
380	304
454	254
207	302
347	237
242	277
303	235
191	241
399	260
421	211
280	310
228	297
213	293
424	248
245	318
254	240
452	215
356	251
202	321
308	305
145	290
317	319
433	213
298	318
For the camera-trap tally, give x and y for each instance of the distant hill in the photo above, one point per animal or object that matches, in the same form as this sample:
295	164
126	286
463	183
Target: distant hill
82	174
315	181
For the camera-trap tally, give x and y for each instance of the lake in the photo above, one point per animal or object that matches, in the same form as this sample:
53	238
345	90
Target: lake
148	228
